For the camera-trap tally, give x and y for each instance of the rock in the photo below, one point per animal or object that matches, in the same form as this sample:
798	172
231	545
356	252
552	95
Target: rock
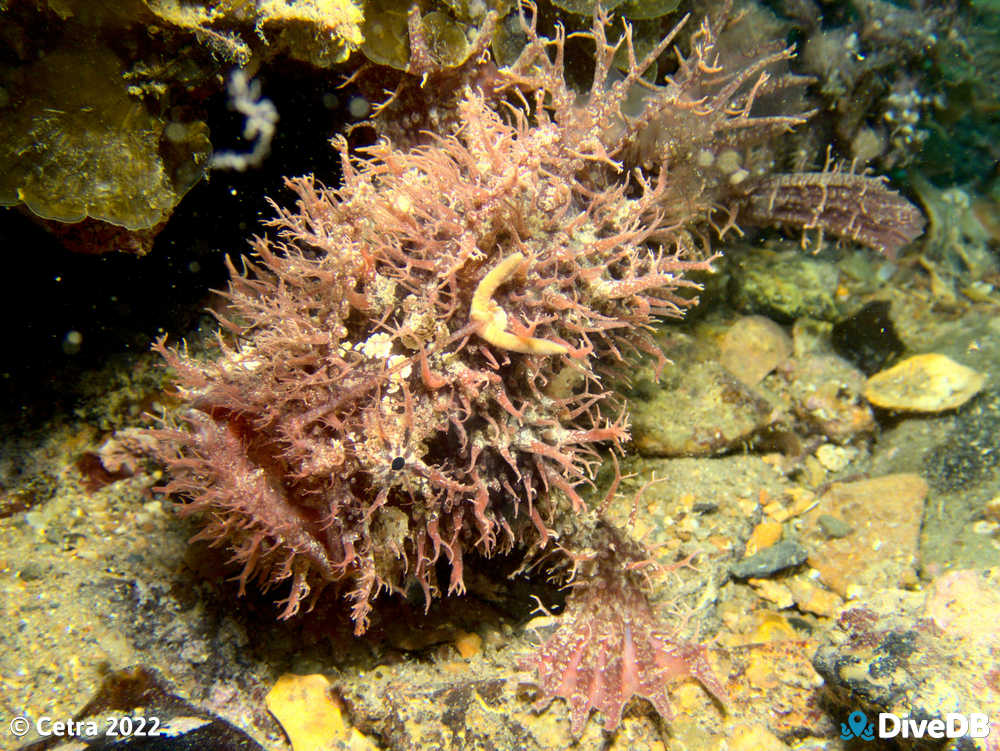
135	696
881	549
833	527
835	458
781	555
921	655
698	410
924	383
826	393
774	592
415	705
33	571
812	599
784	286
764	535
753	347
468	644
775	685
312	720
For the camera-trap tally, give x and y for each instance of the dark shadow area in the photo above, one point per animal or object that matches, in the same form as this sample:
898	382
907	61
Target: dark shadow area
68	313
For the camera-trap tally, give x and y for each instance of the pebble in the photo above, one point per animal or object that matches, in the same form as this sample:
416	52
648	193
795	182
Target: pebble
812	599
833	527
797	501
781	555
753	347
835	458
468	644
33	571
774	592
764	535
310	716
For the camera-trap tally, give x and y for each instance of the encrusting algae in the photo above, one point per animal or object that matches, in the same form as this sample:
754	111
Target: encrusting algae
425	356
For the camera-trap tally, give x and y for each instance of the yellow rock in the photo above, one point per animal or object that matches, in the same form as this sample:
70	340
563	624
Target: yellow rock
323	32
813	599
311	718
764	535
688	697
762	671
773	591
924	383
773	627
797	501
468	644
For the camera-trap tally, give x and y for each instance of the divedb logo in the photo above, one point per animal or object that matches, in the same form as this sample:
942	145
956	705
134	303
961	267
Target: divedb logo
954	725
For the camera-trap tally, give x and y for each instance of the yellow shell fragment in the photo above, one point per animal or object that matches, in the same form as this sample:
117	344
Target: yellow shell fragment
924	383
311	718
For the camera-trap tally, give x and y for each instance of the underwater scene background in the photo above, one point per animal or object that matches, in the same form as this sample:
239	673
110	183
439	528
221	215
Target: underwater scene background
500	376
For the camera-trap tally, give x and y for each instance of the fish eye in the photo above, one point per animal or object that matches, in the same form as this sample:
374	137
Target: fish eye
398	463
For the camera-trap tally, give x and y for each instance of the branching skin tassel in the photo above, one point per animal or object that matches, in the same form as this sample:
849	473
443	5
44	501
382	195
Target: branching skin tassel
493	321
611	646
422	359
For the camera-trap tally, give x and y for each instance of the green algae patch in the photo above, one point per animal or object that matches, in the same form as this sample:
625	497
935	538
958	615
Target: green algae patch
75	145
448	32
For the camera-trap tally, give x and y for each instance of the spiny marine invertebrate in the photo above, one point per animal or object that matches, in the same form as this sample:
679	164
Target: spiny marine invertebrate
424	356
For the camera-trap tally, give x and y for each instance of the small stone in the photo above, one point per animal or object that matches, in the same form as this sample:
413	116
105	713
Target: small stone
774	592
772	626
833	527
835	458
310	716
812	599
468	644
33	571
797	501
781	555
753	347
984	527
924	383
764	535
